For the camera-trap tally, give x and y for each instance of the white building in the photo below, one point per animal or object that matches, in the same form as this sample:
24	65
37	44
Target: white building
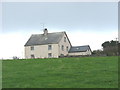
52	45
80	50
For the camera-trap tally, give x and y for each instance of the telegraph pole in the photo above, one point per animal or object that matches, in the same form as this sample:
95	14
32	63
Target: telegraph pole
116	46
116	40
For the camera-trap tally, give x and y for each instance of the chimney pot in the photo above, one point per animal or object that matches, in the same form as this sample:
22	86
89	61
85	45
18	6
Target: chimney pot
45	31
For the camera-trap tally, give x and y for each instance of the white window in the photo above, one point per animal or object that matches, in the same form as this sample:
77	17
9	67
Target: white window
64	39
32	56
49	55
32	47
67	48
62	48
49	47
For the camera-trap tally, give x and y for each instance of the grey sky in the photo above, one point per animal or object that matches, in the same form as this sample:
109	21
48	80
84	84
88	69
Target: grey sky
60	0
90	16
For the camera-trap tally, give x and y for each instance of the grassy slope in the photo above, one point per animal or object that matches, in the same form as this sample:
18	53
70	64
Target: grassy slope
0	74
84	72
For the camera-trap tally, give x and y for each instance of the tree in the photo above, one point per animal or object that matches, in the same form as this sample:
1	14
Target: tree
97	52
110	48
106	44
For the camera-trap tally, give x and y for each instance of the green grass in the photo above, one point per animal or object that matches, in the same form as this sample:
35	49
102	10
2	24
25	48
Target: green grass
83	72
0	74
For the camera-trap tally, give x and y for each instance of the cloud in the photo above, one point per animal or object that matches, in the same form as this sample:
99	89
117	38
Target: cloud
12	44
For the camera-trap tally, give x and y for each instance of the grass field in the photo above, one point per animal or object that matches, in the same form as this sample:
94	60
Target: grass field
82	72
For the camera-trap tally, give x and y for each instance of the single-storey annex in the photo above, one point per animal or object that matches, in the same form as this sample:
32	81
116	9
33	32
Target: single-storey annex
79	50
52	45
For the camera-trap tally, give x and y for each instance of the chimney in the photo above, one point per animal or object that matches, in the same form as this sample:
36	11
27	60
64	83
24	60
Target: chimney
45	31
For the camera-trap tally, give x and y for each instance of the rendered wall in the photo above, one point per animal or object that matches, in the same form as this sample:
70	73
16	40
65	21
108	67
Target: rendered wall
65	44
88	52
41	51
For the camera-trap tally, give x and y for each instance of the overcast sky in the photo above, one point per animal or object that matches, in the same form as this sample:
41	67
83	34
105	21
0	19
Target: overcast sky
86	23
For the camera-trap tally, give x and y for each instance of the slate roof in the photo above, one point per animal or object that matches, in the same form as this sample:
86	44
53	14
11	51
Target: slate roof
41	39
79	48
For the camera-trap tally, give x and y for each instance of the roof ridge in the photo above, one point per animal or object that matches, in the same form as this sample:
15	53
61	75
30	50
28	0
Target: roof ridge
80	46
50	33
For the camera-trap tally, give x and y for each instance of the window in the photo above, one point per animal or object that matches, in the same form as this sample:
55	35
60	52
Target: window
64	39
32	56
61	55
49	47
32	47
49	55
62	48
67	48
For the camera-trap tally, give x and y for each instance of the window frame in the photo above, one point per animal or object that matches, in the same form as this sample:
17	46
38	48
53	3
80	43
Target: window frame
67	48
62	47
32	56
32	48
64	39
49	55
49	47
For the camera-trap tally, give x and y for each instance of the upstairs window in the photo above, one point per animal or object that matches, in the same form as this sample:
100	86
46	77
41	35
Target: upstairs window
32	47
49	47
62	48
67	48
64	39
